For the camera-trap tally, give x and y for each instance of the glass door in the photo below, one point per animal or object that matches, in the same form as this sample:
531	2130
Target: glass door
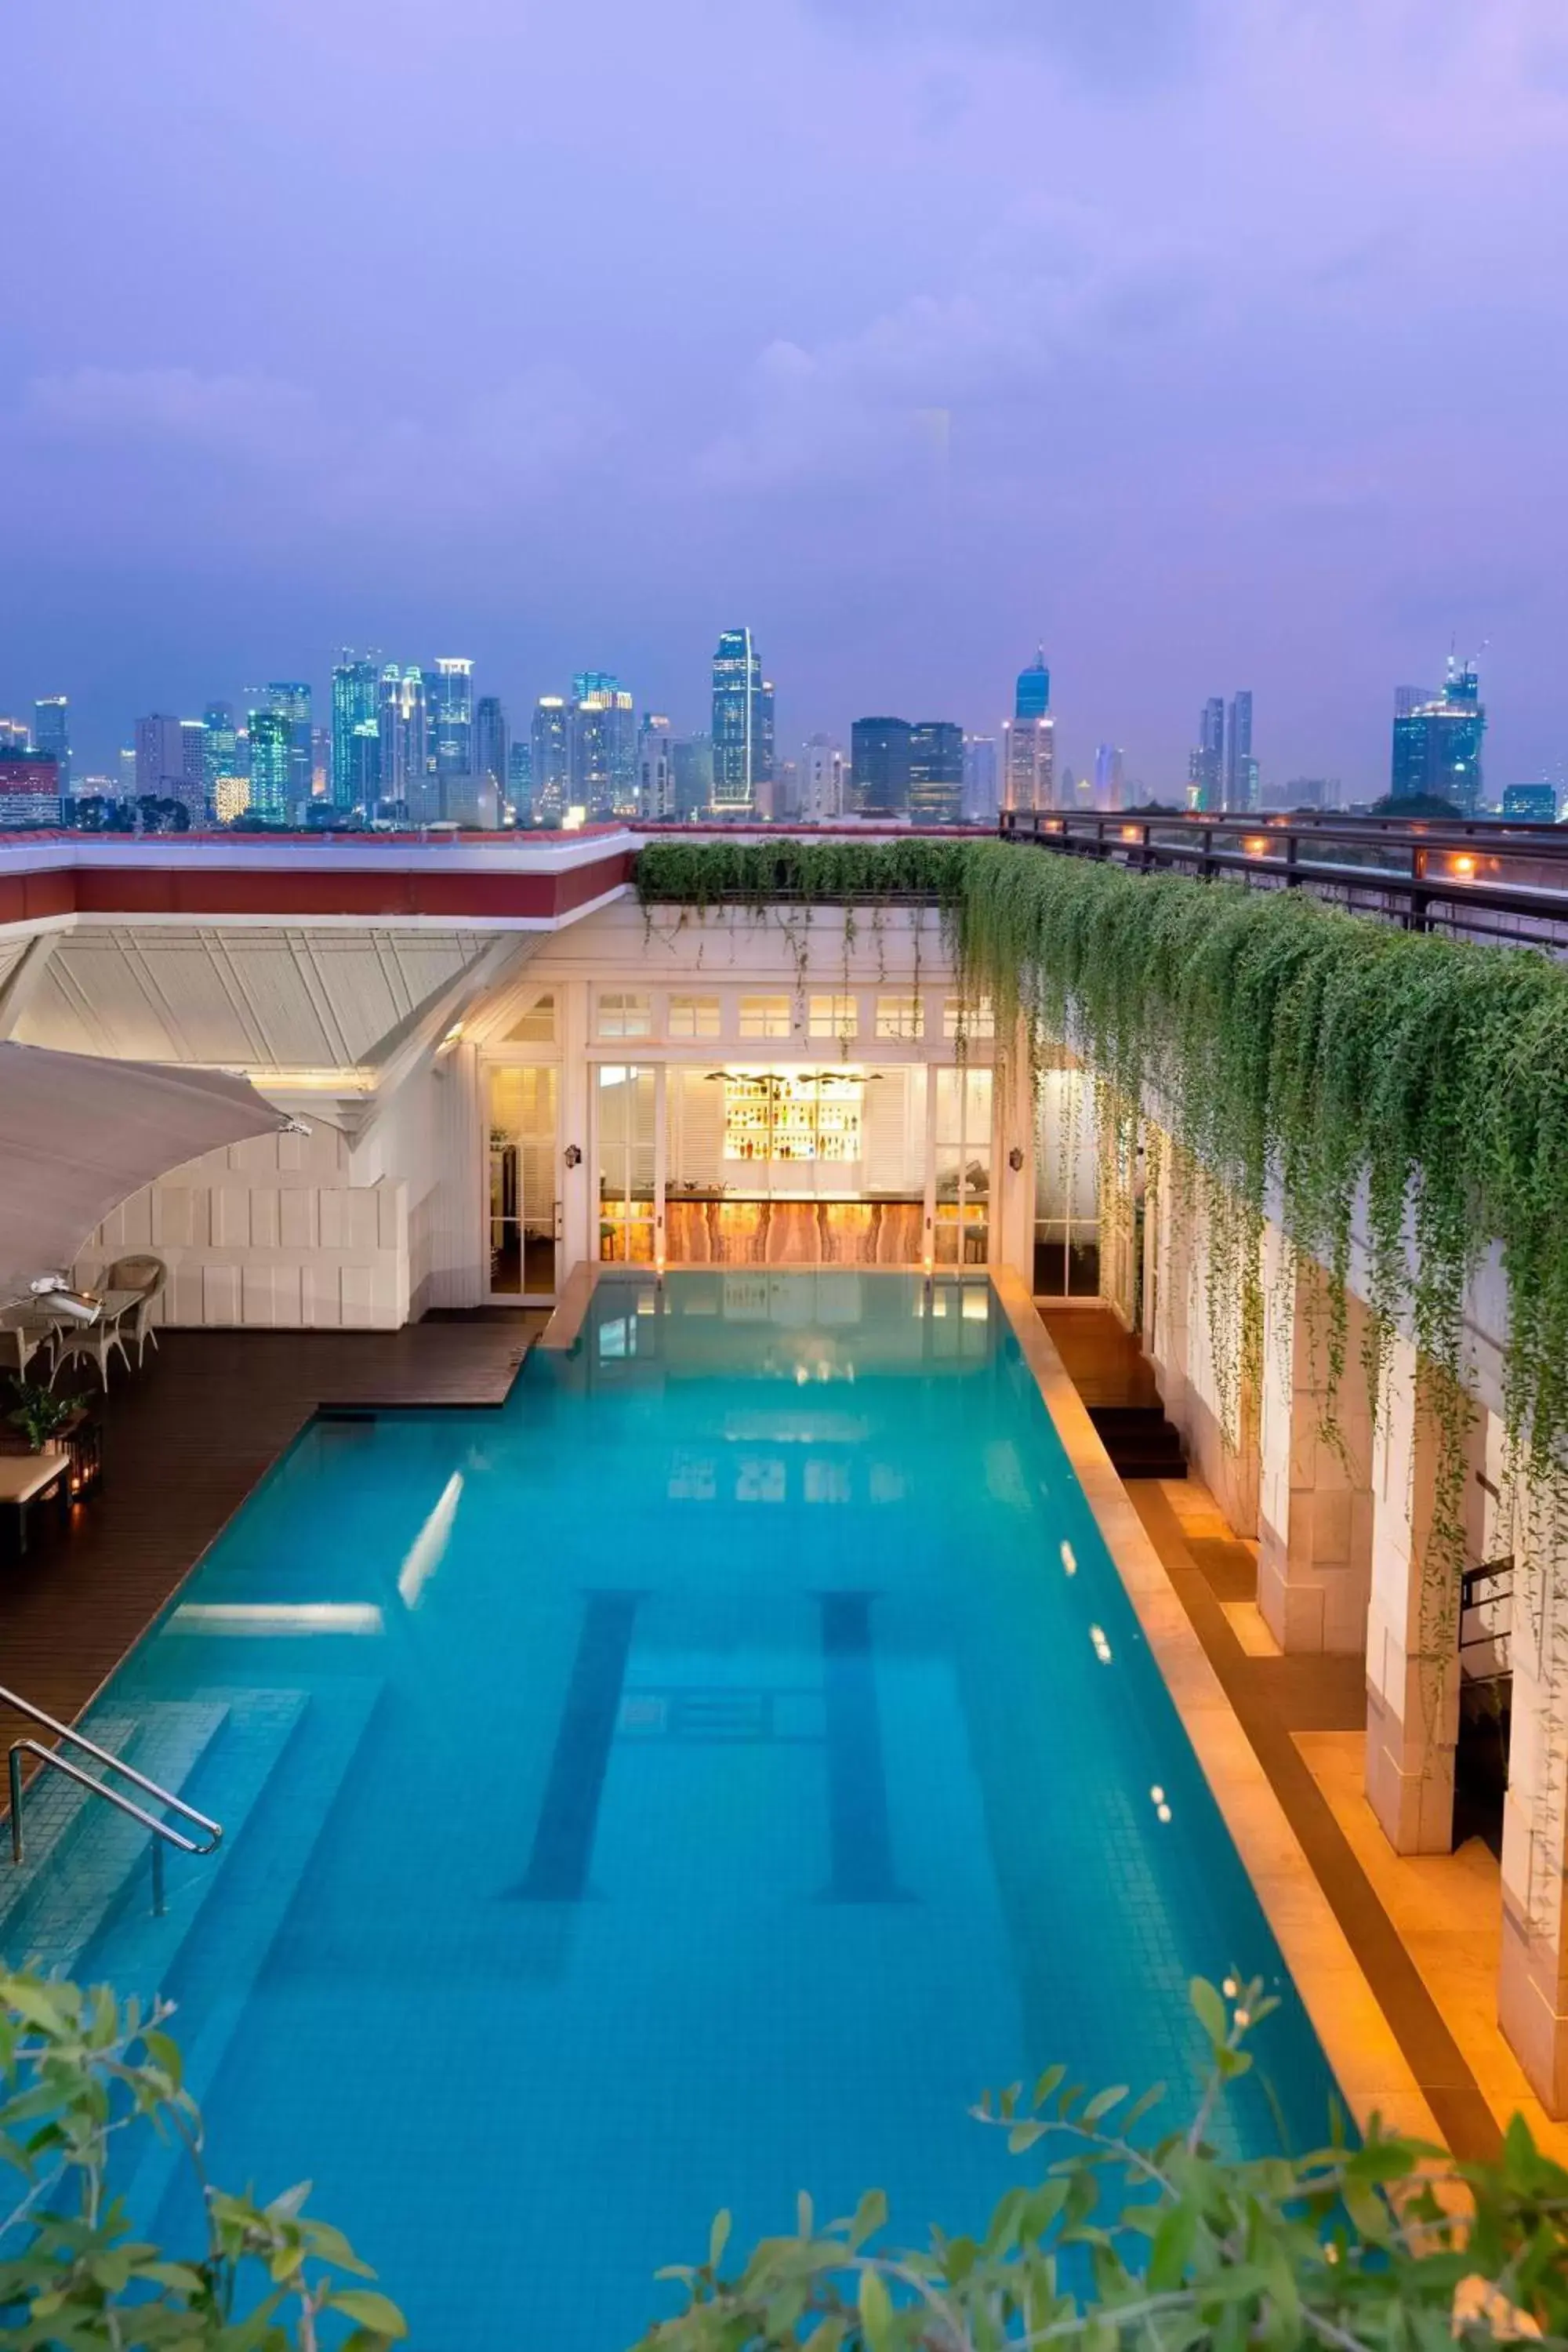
524	1219
962	1140
627	1130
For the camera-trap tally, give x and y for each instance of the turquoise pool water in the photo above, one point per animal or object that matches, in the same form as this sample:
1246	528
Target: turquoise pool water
691	1783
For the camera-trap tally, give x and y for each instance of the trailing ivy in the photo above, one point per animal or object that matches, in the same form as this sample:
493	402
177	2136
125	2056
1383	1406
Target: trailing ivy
1418	1082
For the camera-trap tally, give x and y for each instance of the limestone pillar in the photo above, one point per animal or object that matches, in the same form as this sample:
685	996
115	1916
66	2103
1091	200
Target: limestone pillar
1413	1625
1531	1522
1314	1501
1207	1389
579	1182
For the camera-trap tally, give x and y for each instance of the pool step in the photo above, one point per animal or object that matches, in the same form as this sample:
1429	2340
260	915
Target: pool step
80	1854
1140	1442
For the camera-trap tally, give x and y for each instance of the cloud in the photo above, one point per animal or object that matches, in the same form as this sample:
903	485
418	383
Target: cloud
252	416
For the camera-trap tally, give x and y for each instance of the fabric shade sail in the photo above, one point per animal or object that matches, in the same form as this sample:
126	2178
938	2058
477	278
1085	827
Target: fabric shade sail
78	1135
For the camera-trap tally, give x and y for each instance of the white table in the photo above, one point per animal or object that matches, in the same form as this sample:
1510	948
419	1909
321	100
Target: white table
27	1479
112	1305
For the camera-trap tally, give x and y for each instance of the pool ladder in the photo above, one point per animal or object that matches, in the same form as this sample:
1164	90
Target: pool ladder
163	1834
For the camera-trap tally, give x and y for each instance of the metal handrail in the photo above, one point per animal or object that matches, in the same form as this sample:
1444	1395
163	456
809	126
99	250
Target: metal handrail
162	1833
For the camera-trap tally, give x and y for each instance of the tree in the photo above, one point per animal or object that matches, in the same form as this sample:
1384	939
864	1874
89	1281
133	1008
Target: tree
1416	805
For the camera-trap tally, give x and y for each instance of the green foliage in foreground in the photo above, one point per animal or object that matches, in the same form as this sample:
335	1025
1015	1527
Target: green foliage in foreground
81	2073
1385	2246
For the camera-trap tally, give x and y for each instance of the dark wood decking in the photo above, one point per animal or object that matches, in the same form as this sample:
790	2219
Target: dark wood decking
185	1440
1275	1697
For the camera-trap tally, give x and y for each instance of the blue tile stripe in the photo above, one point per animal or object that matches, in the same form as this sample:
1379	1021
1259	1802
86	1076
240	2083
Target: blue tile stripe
859	1830
569	1815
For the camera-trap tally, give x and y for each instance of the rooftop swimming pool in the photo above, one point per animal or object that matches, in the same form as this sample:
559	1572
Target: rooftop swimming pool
694	1783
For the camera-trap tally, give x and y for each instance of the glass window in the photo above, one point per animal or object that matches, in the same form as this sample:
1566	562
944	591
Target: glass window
537	1026
694	1016
627	1098
764	1016
901	1016
973	1021
1067	1187
833	1016
522	1172
625	1013
963	1167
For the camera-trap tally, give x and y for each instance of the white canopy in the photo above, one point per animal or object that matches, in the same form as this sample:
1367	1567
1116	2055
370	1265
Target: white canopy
78	1135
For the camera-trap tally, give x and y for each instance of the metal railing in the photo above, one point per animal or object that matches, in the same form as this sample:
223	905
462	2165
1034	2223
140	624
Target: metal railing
1477	878
163	1834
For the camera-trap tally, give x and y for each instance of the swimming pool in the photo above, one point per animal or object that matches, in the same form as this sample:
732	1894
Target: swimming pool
694	1783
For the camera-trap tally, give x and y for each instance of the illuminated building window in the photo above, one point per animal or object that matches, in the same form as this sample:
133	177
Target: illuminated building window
764	1016
625	1013
694	1016
973	1020
901	1016
537	1026
833	1016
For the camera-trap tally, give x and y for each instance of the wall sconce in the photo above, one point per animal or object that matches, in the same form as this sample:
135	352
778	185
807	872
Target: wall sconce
573	1156
1015	1159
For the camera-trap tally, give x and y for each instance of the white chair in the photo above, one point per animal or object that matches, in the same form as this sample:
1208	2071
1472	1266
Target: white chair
93	1340
148	1275
23	1332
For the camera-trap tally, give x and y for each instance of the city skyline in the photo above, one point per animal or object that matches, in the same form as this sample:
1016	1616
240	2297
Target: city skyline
1185	417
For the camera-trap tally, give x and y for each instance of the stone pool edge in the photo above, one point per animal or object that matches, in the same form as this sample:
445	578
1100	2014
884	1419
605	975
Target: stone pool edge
1360	2044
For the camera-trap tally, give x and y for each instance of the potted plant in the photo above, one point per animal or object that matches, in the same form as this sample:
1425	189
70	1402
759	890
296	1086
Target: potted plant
39	1414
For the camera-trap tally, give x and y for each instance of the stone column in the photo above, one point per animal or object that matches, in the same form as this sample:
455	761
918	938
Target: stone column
1413	1633
1314	1501
1530	1521
1013	1189
579	1185
1211	1398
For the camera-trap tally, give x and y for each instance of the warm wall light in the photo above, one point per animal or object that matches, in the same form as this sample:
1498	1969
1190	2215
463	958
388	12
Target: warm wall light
573	1156
1464	866
1132	832
1256	845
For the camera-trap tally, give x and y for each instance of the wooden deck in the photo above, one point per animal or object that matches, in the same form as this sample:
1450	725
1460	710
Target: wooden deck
185	1440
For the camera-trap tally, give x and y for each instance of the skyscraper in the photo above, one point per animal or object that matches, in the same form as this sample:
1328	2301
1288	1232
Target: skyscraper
1240	766
519	779
451	717
692	765
936	771
220	747
551	757
1107	777
880	766
1205	767
160	759
980	778
602	739
16	735
822	779
743	724
1437	739
291	699
363	777
193	793
655	769
271	766
51	733
491	744
402	720
355	705
1029	750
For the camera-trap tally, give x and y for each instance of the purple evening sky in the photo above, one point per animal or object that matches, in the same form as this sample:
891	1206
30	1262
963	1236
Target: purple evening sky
1217	342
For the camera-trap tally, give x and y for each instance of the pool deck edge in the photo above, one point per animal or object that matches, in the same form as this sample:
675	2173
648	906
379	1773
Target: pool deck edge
1369	2066
571	1311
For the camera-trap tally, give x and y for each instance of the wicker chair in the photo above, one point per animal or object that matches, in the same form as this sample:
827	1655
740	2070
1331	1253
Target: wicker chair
148	1275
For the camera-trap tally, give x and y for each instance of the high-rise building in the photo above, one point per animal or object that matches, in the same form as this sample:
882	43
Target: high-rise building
1532	803
821	780
1032	694
291	699
272	734
160	758
602	739
230	797
29	787
980	778
1437	739
1110	779
692	765
1029	746
743	724
355	704
491	744
405	739
51	733
936	771
362	775
655	769
192	794
220	747
1205	767
520	779
451	717
16	735
1240	766
552	757
880	766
